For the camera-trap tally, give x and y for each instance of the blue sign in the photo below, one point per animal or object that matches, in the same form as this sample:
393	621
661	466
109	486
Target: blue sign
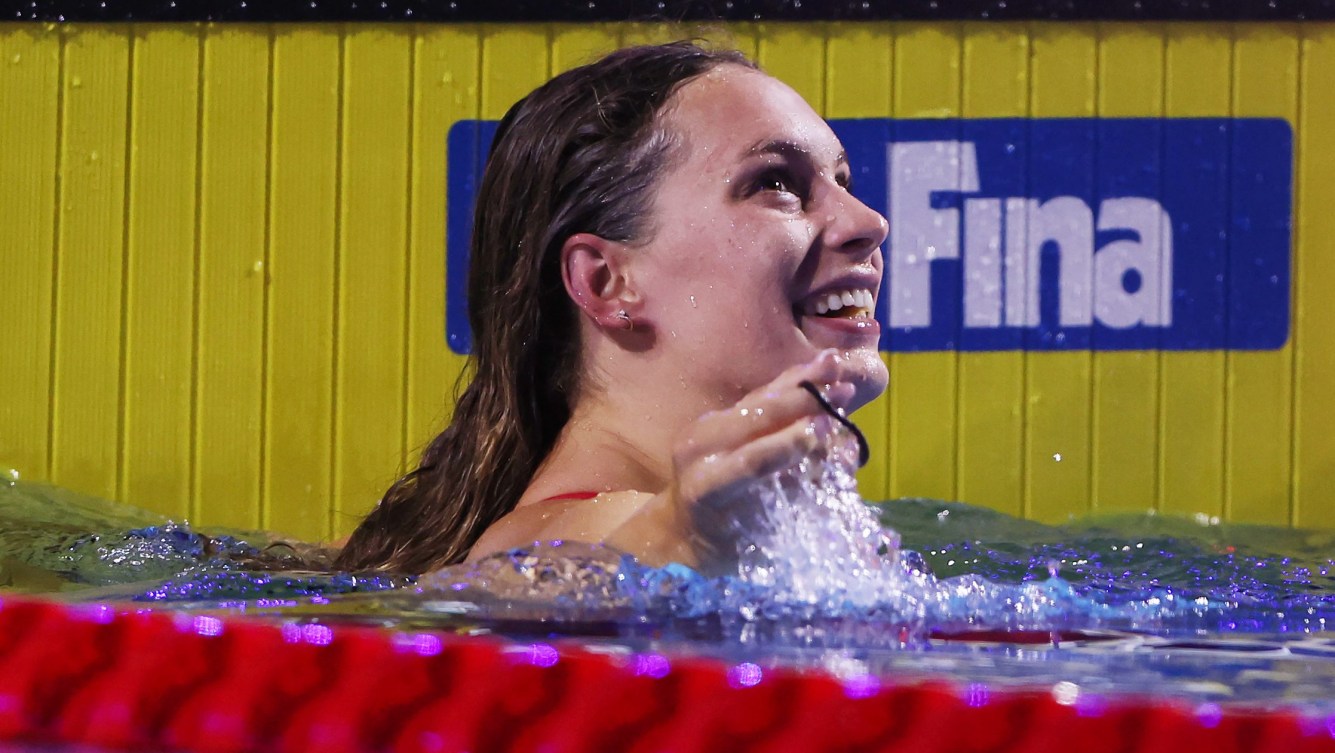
1051	234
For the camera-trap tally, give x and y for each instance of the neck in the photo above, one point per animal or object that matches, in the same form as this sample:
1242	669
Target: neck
621	438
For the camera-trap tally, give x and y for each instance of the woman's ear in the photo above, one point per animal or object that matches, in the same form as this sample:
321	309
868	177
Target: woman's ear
594	271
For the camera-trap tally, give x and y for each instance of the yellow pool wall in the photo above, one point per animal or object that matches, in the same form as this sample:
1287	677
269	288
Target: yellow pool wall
222	262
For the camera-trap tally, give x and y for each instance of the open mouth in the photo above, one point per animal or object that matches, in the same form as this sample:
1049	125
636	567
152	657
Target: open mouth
850	303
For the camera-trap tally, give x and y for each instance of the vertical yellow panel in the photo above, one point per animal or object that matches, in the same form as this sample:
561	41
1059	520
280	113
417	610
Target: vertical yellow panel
160	255
445	91
859	65
576	45
1314	275
1197	81
1125	407
232	274
30	67
651	33
515	60
1260	384
991	385
1057	446
743	37
923	390
372	271
795	55
302	215
89	264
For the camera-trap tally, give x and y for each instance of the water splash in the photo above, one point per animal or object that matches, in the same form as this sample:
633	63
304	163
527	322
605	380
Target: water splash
817	567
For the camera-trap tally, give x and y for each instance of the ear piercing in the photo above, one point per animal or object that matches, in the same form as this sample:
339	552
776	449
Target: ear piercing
624	320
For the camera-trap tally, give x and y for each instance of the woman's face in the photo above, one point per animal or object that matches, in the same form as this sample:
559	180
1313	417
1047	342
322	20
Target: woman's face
758	257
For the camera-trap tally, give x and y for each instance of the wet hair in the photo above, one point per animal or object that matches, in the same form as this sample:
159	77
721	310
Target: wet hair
580	154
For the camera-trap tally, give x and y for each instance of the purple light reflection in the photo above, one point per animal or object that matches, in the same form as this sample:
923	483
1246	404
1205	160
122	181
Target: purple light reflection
100	613
652	665
745	675
542	655
319	635
422	644
207	626
1209	715
861	686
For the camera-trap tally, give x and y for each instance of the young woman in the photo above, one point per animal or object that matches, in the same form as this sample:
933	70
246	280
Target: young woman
664	249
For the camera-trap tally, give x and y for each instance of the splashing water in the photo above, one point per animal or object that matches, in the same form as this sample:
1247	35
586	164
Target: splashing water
816	566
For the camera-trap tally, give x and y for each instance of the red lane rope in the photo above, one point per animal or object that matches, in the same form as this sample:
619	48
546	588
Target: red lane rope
116	679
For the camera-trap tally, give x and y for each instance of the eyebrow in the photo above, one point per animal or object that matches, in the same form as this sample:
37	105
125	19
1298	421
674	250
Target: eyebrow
792	149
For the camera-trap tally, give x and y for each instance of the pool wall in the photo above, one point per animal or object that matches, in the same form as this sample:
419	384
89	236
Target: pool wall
223	253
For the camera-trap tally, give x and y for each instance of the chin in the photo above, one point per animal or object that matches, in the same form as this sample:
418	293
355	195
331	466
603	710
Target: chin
870	376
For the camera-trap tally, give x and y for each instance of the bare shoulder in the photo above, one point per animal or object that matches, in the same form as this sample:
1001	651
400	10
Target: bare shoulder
589	520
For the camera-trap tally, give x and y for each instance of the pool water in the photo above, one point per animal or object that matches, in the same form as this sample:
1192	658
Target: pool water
1190	608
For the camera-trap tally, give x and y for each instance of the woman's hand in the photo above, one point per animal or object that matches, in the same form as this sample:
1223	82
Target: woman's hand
725	451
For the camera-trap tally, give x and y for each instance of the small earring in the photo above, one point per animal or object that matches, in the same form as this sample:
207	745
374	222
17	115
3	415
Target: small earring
625	321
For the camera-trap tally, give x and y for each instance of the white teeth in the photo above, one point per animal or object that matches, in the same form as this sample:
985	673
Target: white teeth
860	298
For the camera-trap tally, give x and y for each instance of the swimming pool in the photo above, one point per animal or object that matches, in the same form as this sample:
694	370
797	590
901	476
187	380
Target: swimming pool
204	645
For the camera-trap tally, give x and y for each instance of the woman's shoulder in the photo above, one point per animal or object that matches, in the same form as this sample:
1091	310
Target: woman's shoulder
571	516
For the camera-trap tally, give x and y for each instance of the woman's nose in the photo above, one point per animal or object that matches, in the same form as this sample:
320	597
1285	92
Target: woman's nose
853	226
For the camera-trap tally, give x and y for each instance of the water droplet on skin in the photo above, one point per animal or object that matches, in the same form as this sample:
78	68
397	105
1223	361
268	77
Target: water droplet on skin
693	303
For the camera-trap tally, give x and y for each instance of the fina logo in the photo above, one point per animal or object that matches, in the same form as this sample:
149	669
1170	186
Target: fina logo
1042	234
1126	284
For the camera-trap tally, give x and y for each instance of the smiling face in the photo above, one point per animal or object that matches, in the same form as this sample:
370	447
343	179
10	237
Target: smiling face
758	256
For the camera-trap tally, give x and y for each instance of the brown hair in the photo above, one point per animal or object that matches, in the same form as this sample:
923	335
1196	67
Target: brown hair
581	153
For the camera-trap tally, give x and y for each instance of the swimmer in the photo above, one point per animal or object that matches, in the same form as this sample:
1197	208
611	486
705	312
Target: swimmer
665	249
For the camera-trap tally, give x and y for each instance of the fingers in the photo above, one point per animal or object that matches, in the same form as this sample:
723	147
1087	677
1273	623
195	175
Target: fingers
759	457
771	428
768	409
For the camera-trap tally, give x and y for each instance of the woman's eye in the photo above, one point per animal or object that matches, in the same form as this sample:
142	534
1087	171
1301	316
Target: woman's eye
777	182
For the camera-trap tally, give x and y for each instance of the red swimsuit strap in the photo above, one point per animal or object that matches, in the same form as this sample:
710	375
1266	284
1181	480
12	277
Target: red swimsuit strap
573	495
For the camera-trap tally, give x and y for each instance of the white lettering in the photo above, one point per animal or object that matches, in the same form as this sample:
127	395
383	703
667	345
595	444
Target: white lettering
921	234
1002	244
982	263
1131	278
